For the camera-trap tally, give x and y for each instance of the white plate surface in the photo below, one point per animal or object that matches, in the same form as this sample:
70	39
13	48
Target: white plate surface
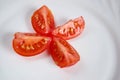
98	45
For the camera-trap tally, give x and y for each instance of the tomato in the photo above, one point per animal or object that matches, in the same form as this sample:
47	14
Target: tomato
63	53
30	44
43	21
70	29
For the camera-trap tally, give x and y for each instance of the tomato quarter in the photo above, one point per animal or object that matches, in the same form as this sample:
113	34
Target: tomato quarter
63	53
70	29
30	44
43	21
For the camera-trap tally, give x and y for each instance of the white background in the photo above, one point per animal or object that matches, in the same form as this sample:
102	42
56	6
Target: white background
99	45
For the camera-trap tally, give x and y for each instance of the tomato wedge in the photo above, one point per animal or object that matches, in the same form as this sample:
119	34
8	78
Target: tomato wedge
43	21
63	53
70	29
30	44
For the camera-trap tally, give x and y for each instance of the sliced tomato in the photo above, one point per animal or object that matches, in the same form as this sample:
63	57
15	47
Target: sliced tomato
30	44
63	53
70	29
43	20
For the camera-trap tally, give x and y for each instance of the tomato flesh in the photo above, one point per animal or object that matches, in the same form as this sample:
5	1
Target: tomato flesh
30	44
70	29
43	21
63	53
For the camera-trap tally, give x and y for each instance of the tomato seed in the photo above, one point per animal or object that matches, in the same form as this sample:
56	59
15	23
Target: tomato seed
31	47
23	46
72	31
39	23
42	27
37	17
27	47
75	23
43	41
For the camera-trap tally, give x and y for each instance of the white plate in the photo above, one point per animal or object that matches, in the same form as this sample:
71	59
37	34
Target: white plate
98	45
